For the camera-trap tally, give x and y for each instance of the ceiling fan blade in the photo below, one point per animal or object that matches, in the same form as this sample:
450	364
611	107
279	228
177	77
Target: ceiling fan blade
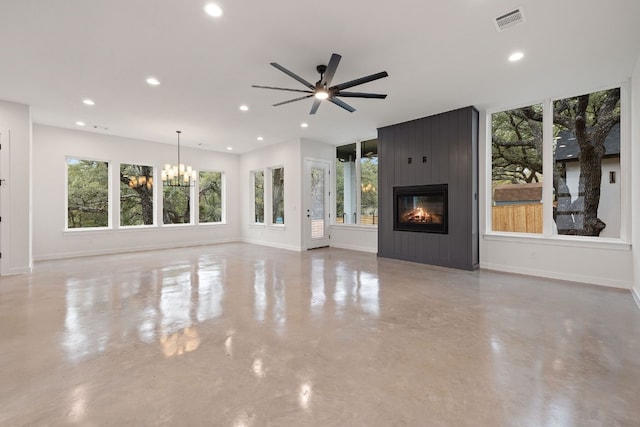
361	95
360	81
331	69
344	105
281	88
314	107
293	75
293	100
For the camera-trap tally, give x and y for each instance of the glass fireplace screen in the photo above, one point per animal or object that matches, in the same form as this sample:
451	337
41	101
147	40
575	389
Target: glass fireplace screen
421	208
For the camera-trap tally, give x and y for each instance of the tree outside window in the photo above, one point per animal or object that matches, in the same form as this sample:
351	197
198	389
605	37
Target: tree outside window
176	205
210	197
258	197
516	172
585	142
136	195
277	190
87	194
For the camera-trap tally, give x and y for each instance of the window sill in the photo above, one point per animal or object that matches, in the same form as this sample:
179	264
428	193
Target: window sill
569	241
84	231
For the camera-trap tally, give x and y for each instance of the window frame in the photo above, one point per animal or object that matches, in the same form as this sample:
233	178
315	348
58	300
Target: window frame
358	185
118	208
622	242
252	197
109	225
223	197
192	206
271	214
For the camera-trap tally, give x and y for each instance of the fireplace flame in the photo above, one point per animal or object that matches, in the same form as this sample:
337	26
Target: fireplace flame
421	215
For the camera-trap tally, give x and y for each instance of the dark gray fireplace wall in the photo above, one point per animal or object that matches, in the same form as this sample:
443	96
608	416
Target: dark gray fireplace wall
443	150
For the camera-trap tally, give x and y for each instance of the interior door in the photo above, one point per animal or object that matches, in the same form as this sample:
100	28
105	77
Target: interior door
316	210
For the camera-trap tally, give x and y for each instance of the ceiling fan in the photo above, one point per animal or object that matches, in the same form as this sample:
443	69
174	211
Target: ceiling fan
323	90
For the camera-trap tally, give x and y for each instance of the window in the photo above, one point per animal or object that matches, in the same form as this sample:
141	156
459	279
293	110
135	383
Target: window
258	197
516	170
87	194
584	149
136	195
210	197
357	168
277	195
369	182
176	205
586	131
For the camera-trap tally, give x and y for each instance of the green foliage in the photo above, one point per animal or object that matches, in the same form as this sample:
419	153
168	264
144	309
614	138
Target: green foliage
517	146
87	193
277	189
176	206
369	183
210	197
339	191
136	195
258	193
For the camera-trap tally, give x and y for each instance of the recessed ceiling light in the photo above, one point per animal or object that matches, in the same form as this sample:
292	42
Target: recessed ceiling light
562	145
569	155
78	123
244	108
229	148
152	81
304	125
88	102
213	9
516	56
260	138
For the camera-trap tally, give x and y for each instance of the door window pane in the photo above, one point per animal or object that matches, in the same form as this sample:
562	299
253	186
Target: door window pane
516	170
317	203
586	161
136	195
87	194
210	197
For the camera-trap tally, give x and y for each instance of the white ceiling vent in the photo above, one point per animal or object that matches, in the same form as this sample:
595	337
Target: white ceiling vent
510	19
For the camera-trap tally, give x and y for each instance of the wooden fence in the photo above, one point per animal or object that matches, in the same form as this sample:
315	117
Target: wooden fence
519	218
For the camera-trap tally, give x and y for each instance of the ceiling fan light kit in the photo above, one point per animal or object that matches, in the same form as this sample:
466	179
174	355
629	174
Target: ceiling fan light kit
323	90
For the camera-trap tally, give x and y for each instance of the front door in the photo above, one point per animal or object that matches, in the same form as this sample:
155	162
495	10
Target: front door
316	210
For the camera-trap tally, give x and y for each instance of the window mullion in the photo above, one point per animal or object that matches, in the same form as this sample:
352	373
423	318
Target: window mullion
358	185
547	168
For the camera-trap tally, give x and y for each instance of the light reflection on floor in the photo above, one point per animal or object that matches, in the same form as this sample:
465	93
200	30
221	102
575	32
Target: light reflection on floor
242	335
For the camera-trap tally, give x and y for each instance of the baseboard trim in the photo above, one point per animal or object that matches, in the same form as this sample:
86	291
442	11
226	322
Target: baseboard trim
600	281
67	255
355	248
636	296
273	245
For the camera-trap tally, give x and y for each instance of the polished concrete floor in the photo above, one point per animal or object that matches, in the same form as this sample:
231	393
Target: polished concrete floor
243	335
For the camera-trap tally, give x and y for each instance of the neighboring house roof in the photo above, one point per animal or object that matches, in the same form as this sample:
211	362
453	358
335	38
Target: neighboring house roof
567	148
518	192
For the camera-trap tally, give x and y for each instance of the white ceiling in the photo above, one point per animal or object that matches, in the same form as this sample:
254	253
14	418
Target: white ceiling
440	55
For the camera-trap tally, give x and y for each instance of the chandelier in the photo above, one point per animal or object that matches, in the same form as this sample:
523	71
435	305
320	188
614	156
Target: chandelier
178	175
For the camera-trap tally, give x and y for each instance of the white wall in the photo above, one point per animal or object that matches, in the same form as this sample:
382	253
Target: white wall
15	202
287	236
50	240
635	177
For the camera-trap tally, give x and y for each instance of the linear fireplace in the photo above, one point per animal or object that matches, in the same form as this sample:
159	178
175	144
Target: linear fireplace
421	208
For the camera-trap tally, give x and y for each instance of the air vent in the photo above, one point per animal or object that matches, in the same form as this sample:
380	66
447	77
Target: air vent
510	19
